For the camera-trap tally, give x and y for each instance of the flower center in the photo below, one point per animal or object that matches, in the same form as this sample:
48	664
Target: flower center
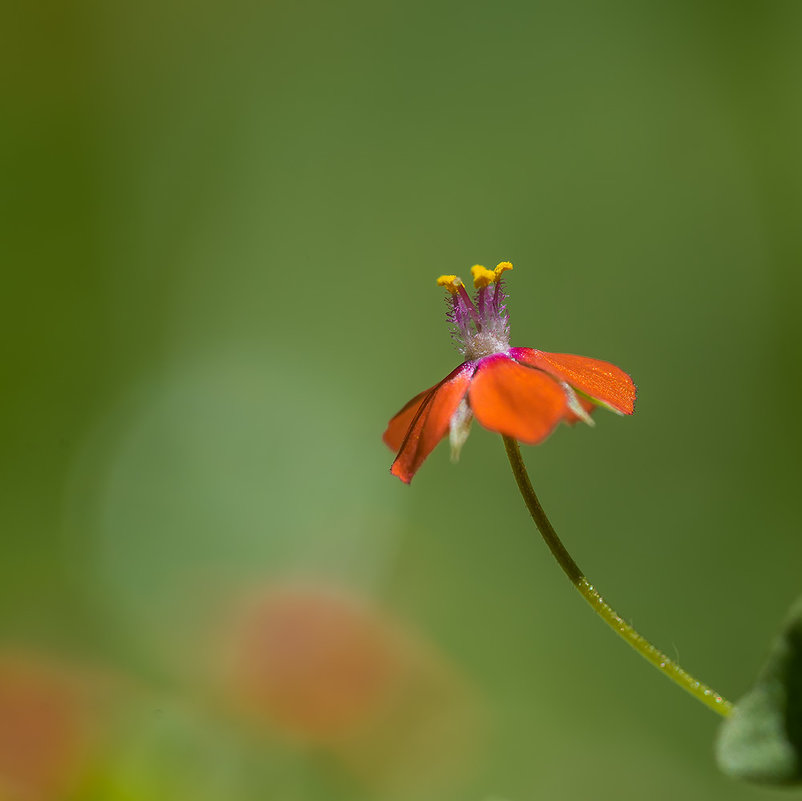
481	326
485	344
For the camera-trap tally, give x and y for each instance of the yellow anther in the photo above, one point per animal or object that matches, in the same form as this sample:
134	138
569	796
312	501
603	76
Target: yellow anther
482	277
451	282
501	267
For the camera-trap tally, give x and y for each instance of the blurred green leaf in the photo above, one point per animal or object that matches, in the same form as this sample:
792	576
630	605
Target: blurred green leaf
762	740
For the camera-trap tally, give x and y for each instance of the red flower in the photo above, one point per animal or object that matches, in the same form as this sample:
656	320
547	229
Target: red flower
519	392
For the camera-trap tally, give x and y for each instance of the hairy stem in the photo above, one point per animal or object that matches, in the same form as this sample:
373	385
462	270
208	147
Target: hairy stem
697	689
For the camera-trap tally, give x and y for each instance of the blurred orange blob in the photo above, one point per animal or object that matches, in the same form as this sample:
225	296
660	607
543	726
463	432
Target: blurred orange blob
320	665
43	730
314	661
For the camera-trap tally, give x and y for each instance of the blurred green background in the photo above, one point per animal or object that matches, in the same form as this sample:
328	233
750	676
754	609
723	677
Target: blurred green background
221	225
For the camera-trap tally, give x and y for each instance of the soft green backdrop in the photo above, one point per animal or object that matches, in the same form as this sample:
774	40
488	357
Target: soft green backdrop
221	228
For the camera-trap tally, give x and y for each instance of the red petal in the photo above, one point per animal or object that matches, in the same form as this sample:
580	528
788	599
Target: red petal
429	423
602	381
512	399
397	427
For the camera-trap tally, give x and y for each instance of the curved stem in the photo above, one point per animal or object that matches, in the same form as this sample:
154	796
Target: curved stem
697	689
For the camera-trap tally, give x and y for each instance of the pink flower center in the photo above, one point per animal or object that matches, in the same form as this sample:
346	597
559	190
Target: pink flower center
481	325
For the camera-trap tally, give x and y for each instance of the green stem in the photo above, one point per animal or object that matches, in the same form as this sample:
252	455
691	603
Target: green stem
701	692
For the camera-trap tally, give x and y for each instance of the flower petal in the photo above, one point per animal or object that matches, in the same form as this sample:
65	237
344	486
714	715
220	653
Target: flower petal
602	381
430	421
397	428
511	399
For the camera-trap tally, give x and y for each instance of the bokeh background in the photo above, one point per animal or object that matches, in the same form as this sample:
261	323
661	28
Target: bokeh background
221	226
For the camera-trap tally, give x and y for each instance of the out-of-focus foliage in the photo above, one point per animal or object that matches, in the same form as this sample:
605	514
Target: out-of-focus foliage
220	229
762	741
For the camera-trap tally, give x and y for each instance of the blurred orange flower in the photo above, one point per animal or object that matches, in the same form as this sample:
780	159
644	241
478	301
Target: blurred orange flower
313	661
43	729
325	667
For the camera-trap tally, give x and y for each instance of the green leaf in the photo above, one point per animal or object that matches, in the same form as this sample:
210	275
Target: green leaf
762	740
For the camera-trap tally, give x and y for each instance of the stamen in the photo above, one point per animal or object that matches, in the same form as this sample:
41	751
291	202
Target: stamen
501	267
454	285
466	299
481	326
451	282
482	277
463	313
